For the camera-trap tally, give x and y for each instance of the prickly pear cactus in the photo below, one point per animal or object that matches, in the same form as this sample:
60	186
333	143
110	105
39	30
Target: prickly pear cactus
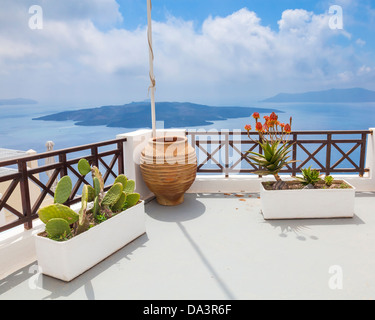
97	188
132	199
96	173
63	190
130	186
82	211
61	221
57	211
91	193
58	228
96	208
122	179
118	206
113	195
84	167
83	223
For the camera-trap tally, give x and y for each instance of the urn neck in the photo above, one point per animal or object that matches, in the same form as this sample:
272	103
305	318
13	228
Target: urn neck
167	141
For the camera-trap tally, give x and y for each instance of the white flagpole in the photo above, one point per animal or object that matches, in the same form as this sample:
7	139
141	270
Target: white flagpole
151	59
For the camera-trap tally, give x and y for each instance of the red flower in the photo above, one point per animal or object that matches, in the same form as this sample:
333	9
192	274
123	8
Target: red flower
272	119
273	116
259	127
248	127
256	115
287	128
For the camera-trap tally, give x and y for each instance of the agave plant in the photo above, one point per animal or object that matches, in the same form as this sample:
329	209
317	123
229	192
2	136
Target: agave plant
328	180
273	139
309	176
275	156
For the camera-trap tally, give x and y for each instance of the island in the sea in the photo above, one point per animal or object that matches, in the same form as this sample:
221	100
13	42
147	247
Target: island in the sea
138	115
353	95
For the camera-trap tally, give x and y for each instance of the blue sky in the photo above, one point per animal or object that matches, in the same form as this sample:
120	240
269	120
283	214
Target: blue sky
359	19
219	52
134	11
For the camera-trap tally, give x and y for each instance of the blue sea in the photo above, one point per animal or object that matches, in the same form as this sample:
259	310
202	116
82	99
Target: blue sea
18	131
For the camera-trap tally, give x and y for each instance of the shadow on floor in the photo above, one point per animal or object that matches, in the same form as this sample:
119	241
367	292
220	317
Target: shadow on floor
300	227
223	286
190	209
254	195
58	288
365	194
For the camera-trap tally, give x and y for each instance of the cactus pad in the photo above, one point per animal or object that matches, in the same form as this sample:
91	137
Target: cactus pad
57	228
82	211
63	190
130	186
96	208
57	211
96	186
122	179
96	173
84	167
91	193
132	199
120	203
112	196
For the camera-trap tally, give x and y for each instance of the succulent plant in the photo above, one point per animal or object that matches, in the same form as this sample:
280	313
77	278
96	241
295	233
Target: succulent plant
328	180
84	167
112	196
309	176
131	200
275	156
58	228
63	190
62	222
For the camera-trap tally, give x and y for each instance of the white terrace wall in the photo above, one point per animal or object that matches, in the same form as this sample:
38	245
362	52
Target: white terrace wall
137	140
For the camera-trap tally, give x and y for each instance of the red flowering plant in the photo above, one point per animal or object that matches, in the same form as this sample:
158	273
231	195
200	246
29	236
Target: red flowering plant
274	141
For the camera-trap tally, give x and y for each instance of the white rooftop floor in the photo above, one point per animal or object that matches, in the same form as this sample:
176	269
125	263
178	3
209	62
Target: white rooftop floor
220	247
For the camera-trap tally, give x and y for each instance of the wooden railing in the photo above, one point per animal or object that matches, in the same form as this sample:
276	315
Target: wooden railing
330	152
104	155
223	152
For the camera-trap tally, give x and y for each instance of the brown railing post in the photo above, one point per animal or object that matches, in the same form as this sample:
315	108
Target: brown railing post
328	155
260	152
25	194
64	169
120	160
363	155
94	153
294	164
226	154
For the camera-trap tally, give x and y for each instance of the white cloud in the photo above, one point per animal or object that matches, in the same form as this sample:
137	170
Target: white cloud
360	42
237	57
365	70
230	60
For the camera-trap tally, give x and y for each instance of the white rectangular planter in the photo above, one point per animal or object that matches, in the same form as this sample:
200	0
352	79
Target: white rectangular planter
307	203
68	259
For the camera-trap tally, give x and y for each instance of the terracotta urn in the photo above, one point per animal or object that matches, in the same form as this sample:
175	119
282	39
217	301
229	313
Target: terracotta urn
169	167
